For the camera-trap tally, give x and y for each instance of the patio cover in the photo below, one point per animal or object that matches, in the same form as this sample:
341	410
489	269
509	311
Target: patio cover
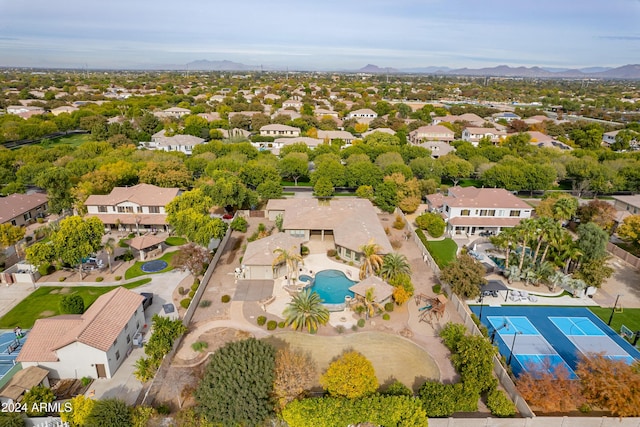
144	242
381	289
494	285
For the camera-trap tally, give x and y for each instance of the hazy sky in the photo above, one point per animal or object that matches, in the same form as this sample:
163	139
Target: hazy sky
328	34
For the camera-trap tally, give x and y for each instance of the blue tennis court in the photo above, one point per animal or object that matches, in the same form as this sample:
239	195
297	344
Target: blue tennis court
545	337
9	349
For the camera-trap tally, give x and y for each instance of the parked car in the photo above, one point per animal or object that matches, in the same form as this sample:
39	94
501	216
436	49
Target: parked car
148	299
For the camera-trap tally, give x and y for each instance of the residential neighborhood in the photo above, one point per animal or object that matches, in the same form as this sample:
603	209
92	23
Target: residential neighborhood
464	256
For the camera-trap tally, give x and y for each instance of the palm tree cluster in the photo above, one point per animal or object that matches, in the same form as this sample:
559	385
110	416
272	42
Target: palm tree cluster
540	250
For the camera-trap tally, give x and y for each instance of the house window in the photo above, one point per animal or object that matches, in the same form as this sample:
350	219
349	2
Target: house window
118	355
154	209
128	339
137	325
128	209
139	209
27	216
483	212
115	342
465	212
296	233
102	209
347	253
13	222
121	209
126	327
514	213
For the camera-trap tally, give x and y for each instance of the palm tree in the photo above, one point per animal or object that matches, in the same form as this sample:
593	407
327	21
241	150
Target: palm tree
393	265
290	259
110	247
306	311
371	261
505	240
554	237
369	303
544	226
565	208
525	230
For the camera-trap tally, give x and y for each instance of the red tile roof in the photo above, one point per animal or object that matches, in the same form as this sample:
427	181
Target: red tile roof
18	204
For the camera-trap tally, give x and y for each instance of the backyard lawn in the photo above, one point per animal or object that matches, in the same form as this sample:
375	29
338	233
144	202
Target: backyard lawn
175	241
630	317
45	302
442	251
136	269
71	140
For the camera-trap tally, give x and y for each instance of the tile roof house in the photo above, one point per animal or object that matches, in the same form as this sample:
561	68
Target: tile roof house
542	140
22	209
350	222
474	135
330	135
134	208
182	143
472	119
279	130
437	148
176	112
93	344
431	133
257	261
363	113
470	210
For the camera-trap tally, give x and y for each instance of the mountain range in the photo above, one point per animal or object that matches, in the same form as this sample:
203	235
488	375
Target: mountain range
630	71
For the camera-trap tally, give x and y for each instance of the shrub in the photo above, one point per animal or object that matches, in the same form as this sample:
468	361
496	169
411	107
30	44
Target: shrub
340	329
361	323
451	334
182	291
40	220
118	278
499	404
388	307
331	253
191	294
184	303
199	346
225	298
28	238
437	288
271	325
354	328
163	409
432	222
85	381
72	304
281	324
45	269
205	303
62	279
397	388
99	279
386	316
196	284
439	400
387	231
304	250
261	320
239	224
398	224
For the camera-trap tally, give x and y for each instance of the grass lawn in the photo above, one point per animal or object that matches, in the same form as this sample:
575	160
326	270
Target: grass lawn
45	302
71	140
175	241
136	269
442	251
630	317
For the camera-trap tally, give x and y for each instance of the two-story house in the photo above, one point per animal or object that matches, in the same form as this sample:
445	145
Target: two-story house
363	113
431	133
277	130
141	207
472	210
93	344
474	135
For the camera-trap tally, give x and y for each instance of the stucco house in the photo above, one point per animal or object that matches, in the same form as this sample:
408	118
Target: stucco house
331	135
182	143
431	133
437	148
93	344
629	204
471	210
474	135
363	113
176	112
350	223
470	118
257	261
141	207
22	209
277	130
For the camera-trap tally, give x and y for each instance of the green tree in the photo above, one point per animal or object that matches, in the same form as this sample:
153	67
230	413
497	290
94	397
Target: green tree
10	234
294	166
455	168
306	311
57	182
629	230
386	195
81	408
394	265
110	412
592	241
72	304
323	187
291	259
269	190
371	261
432	222
594	272
34	397
465	275
238	384
77	238
12	419
188	215
352	376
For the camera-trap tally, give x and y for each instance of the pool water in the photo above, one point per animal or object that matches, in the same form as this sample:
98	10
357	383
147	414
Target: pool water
305	278
332	286
500	262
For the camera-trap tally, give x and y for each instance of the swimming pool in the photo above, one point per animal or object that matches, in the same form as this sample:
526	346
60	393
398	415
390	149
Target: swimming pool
332	286
500	262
